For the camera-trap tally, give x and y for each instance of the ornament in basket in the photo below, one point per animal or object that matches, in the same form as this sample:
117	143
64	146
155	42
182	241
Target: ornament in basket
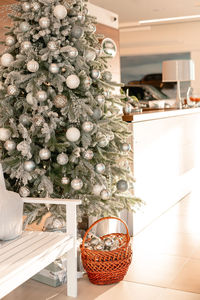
106	262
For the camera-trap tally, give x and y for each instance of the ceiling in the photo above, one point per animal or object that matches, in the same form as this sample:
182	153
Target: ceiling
137	10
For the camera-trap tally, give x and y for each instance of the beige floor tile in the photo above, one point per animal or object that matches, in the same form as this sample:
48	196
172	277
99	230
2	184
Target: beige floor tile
155	269
189	277
168	294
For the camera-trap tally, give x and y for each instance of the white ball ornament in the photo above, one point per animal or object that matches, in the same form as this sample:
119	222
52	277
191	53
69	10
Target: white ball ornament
35	6
77	31
32	66
44	154
97	188
41	96
105	195
100	168
62	159
77	184
24	26
9	145
52	46
87	126
60	101
73	134
54	68
100	99
10	40
26	6
7	59
44	22
24	191
26	45
73	52
30	98
65	180
73	81
60	12
88	154
5	134
12	90
29	165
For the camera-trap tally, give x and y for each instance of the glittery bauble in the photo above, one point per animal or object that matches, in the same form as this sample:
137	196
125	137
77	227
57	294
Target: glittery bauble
128	108
30	99
10	40
73	134
88	154
60	101
126	147
73	52
77	184
33	66
103	143
9	145
87	126
65	180
100	99
77	31
97	188
54	68
12	90
62	159
90	54
73	81
4	134
6	59
25	119
100	168
26	6
95	74
35	6
122	185
25	46
41	96
60	12
29	165
107	76
97	113
44	22
86	83
24	191
44	154
24	26
52	46
105	195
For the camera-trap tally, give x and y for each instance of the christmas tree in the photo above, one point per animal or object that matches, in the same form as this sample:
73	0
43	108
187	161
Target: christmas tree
61	131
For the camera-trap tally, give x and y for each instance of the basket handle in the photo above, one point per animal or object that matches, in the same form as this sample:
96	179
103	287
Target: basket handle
105	218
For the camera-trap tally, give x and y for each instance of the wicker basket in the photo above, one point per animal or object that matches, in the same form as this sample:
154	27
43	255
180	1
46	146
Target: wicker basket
107	267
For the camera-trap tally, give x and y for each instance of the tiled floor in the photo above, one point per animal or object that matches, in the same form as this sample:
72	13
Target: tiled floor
166	263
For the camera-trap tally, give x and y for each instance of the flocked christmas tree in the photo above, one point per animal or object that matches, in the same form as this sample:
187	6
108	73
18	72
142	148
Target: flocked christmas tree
61	129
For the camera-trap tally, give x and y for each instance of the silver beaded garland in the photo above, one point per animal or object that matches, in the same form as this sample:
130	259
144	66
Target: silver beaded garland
26	45
100	168
87	126
65	180
105	195
54	68
44	154
29	165
24	26
122	185
77	184
60	101
73	52
88	154
5	134
9	145
52	46
26	6
10	40
107	76
95	74
62	159
44	22
41	96
126	147
77	31
12	90
100	99
32	66
24	191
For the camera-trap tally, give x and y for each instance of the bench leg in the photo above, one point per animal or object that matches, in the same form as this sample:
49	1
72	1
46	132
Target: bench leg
72	254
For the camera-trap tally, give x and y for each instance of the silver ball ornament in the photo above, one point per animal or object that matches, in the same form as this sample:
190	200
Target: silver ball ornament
97	113
35	6
7	59
54	68
81	17
90	54
100	99
24	191
95	74
103	143
65	180
77	31
44	22
26	6
77	184
10	40
100	168
87	126
73	52
126	147
5	134
30	99
32	66
25	119
25	46
12	90
88	154
122	185
52	46
41	96
44	154
97	188
24	26
107	75
62	159
73	134
73	81
29	165
60	12
105	195
87	83
60	101
9	145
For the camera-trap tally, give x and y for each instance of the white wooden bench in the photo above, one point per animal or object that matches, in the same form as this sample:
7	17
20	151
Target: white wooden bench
25	256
